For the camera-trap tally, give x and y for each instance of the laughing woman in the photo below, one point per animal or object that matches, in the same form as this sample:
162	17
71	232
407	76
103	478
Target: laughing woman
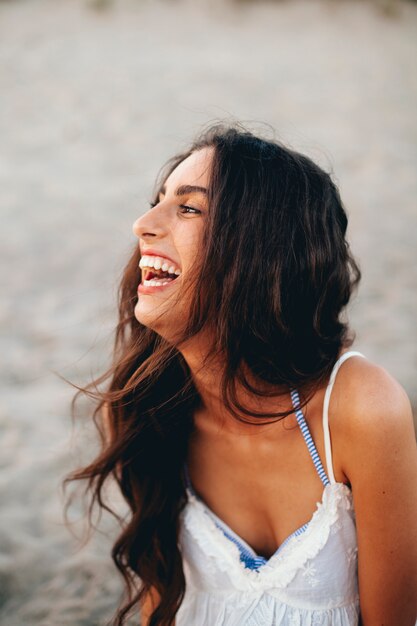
270	470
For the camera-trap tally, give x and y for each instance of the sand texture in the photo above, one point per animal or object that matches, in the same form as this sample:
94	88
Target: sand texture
92	102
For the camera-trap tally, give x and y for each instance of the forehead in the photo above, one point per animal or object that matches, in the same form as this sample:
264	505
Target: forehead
194	170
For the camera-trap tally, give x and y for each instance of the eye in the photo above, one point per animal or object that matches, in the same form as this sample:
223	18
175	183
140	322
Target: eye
189	208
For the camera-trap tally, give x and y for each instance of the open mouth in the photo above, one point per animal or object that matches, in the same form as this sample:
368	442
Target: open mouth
153	277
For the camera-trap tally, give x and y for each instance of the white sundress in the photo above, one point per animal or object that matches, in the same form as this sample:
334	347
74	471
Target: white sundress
311	580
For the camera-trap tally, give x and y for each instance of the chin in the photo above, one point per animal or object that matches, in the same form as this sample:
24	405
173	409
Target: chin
163	316
151	316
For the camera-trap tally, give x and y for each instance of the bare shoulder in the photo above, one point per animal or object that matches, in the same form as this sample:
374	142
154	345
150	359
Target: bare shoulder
368	403
369	413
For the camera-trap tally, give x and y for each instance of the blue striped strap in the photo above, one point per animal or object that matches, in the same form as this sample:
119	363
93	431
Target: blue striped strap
308	438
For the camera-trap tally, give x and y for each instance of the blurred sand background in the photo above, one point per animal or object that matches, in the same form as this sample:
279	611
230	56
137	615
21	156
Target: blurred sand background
91	104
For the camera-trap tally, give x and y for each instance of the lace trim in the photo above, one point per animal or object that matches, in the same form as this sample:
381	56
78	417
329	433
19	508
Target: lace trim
284	564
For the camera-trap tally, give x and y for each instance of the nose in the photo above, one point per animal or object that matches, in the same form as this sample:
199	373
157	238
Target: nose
148	225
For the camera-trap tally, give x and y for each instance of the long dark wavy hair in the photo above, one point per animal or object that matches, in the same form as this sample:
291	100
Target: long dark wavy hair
275	275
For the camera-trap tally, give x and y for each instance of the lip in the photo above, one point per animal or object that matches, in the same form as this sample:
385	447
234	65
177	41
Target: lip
153	252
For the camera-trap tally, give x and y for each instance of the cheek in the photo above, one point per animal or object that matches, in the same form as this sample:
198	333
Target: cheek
189	242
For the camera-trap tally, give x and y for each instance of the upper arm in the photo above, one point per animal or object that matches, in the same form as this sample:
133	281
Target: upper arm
147	606
380	461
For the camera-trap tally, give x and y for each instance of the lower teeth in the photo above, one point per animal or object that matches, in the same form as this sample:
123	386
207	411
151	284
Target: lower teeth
157	282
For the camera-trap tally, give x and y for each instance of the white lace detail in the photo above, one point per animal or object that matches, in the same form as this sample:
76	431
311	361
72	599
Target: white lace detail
310	581
283	565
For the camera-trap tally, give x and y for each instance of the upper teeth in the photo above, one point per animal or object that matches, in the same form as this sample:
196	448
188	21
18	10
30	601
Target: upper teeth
158	262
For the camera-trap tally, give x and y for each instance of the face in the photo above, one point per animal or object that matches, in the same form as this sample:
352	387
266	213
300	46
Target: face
170	237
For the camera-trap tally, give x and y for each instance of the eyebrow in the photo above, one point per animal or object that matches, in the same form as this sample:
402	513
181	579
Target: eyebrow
183	190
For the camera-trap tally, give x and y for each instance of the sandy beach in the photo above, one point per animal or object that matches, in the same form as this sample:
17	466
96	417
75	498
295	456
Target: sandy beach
92	103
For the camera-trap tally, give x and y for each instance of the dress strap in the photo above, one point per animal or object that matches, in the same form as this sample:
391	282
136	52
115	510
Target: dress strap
305	431
326	431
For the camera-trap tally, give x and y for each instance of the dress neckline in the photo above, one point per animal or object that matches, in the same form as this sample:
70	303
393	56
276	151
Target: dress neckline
246	549
295	549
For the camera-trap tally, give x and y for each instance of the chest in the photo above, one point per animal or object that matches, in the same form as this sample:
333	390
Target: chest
263	485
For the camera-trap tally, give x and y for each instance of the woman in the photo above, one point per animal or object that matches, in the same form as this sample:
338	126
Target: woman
270	471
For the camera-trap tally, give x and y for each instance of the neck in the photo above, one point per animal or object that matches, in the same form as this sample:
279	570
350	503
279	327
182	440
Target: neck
208	373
